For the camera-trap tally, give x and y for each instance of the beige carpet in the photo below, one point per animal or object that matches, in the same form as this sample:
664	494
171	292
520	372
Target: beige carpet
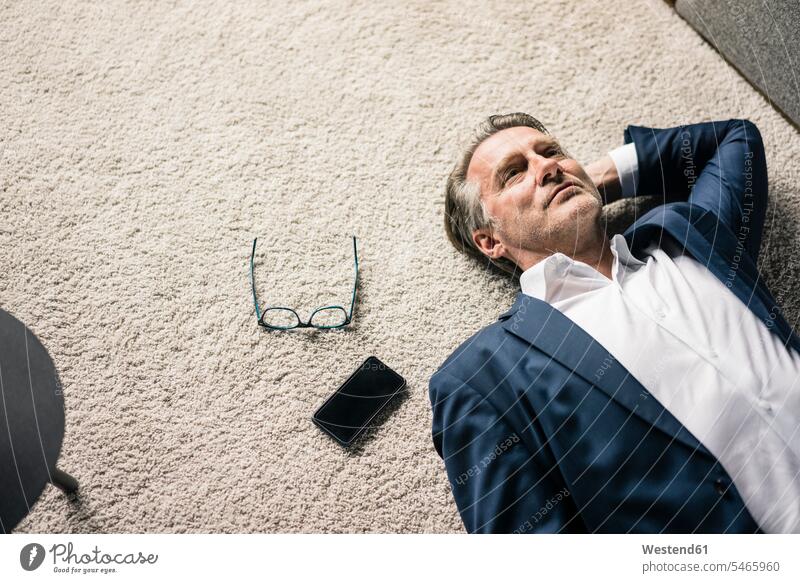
144	145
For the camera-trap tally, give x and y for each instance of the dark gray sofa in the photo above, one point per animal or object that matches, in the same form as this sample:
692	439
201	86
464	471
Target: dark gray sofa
761	38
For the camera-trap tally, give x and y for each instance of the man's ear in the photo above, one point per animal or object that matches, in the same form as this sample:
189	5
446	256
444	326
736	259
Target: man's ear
490	246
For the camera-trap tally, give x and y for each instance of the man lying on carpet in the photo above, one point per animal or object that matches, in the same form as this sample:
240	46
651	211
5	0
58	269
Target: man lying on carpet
642	383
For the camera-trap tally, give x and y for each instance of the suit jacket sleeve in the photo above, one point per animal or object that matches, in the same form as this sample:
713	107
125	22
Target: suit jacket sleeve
719	166
499	484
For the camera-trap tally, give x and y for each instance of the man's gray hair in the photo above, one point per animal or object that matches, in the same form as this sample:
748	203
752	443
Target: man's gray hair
463	209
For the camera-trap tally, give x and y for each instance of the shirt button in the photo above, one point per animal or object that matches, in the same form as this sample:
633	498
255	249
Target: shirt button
765	405
720	486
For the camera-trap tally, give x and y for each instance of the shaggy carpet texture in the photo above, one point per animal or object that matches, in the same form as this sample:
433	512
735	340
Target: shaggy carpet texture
145	144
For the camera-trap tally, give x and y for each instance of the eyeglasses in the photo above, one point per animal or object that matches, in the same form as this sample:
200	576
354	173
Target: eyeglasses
325	318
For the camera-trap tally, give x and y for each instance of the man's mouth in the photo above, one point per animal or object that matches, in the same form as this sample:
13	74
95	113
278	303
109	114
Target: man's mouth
565	190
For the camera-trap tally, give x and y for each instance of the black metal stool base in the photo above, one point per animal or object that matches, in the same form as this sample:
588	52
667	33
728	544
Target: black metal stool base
64	481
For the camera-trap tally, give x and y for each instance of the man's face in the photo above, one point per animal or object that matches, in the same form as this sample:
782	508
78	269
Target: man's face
541	200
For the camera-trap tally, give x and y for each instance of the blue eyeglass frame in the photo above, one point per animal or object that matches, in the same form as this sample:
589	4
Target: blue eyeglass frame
300	324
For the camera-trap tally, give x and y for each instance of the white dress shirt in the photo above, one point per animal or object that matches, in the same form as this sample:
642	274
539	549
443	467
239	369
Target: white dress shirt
699	351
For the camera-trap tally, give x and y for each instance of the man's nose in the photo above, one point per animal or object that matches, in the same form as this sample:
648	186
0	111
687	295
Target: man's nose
546	169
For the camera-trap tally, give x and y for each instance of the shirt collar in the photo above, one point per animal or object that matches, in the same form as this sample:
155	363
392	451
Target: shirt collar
534	280
620	249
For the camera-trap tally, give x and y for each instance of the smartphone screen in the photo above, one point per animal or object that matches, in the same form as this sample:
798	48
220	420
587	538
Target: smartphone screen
349	411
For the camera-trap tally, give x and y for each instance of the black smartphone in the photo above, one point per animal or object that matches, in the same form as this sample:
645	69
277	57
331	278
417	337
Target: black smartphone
350	410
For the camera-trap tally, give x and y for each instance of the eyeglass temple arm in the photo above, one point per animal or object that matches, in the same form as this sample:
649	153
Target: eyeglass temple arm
253	278
355	284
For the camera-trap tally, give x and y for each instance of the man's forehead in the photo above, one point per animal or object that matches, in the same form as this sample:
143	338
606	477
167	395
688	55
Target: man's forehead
499	146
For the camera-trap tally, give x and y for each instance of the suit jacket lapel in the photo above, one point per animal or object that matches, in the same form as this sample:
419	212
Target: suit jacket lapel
563	340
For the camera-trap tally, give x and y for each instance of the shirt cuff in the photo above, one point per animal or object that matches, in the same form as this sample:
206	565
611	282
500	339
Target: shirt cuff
627	162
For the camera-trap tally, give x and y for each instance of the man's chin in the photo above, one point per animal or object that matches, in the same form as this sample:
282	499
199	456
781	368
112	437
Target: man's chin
580	198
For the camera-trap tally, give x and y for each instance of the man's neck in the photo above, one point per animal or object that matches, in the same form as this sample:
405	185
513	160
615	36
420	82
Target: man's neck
598	256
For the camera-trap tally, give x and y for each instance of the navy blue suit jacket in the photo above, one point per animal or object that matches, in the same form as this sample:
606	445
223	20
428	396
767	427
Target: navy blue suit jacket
542	430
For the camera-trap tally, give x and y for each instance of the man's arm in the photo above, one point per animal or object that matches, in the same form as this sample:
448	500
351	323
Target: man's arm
499	485
719	166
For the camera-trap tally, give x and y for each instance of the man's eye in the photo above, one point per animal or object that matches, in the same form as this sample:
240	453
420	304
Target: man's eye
553	152
512	174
